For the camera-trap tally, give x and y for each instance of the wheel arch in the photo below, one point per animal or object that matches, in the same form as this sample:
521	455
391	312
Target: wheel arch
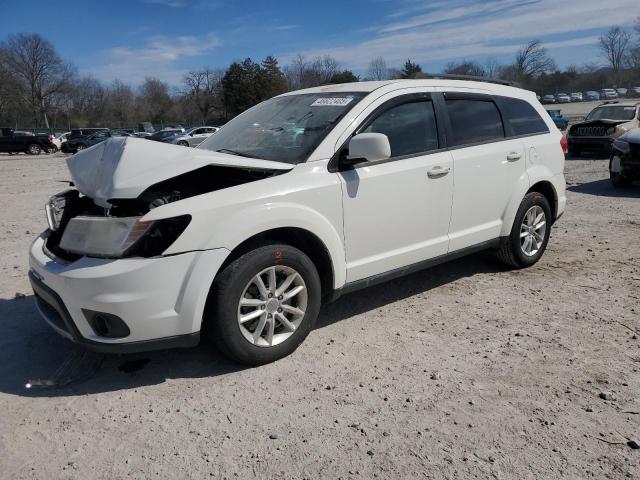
300	238
547	189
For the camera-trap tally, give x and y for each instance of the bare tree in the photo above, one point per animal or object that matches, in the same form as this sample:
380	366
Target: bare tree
465	67
532	60
36	65
204	89
303	74
614	44
378	69
492	68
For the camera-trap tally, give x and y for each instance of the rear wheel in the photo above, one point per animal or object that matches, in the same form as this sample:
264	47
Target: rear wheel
34	149
80	147
529	234
264	304
182	143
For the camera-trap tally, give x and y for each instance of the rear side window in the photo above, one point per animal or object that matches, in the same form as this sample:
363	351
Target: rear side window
522	117
474	121
410	127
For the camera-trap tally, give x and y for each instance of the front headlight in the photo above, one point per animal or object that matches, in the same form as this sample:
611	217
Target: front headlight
103	236
622	146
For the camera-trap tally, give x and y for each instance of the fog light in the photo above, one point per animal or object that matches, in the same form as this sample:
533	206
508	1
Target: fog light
106	324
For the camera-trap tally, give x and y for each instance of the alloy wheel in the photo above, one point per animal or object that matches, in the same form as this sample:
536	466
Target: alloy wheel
533	231
272	306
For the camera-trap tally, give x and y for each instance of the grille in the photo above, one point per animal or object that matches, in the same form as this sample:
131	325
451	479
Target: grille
591	131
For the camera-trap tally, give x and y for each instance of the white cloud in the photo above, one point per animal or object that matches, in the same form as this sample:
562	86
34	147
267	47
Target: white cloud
159	57
491	28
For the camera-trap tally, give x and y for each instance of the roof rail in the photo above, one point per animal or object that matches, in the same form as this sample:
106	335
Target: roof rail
610	101
448	76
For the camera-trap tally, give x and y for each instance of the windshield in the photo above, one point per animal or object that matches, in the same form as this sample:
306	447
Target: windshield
284	129
612	113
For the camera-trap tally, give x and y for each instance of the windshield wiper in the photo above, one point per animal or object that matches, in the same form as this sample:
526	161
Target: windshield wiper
233	152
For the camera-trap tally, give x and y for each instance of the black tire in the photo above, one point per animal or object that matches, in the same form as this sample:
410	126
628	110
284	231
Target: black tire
53	149
79	148
182	143
221	319
34	149
510	251
618	180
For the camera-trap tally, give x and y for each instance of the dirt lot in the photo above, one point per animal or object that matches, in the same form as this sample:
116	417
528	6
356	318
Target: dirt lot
468	370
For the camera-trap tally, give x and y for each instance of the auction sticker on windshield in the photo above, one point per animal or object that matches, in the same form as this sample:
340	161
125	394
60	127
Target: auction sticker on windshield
332	102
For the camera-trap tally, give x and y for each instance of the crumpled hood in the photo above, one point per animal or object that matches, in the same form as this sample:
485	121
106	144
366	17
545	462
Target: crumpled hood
125	167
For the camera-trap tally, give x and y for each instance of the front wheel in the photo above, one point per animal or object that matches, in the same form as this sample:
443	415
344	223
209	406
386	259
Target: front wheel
529	234
264	304
617	179
182	143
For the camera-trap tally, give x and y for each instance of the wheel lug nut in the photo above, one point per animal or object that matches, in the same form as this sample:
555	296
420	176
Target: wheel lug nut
270	295
280	297
268	315
279	310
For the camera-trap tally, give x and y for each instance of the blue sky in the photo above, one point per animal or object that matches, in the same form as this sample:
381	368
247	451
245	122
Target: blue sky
164	38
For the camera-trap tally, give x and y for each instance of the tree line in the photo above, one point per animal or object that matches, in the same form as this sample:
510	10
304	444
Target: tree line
39	89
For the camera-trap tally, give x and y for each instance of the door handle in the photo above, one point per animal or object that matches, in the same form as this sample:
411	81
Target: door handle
438	171
513	156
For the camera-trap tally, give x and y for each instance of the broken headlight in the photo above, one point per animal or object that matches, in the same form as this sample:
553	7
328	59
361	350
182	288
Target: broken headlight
102	236
117	237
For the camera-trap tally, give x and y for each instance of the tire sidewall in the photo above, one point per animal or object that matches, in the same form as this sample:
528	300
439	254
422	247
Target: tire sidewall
530	200
34	149
229	288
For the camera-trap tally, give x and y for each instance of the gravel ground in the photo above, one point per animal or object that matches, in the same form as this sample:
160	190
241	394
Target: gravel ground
467	370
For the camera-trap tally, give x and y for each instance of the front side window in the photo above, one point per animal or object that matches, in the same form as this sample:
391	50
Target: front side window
284	129
523	118
410	128
474	121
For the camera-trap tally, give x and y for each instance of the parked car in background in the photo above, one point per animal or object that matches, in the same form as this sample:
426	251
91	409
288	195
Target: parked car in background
603	124
83	132
560	121
577	97
142	134
548	99
78	144
622	92
591	95
194	136
563	98
634	92
60	139
608	93
624	164
25	142
244	237
166	135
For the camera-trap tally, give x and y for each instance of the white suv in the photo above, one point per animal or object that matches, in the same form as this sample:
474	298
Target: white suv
300	199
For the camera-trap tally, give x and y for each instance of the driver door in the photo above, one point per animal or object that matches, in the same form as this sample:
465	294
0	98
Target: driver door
397	211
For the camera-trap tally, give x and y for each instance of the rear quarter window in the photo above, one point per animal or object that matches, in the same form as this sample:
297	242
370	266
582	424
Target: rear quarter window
522	117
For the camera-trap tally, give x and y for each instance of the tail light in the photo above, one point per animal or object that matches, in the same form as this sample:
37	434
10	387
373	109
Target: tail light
51	138
564	144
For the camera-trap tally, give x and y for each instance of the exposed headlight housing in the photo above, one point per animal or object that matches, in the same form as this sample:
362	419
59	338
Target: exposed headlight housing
109	237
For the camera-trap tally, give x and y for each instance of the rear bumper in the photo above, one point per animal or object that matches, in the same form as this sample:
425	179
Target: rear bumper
589	144
160	300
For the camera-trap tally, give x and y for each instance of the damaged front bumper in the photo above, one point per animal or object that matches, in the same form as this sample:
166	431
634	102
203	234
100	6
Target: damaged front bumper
155	303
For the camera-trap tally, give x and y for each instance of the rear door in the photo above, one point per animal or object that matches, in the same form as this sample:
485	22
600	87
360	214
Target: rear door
487	165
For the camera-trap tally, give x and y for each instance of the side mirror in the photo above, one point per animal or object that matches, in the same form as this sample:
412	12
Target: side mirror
368	147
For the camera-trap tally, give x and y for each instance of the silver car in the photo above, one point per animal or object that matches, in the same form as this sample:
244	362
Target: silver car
194	136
